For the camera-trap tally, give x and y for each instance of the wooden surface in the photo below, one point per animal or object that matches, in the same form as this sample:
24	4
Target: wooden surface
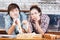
2	10
57	33
30	36
22	39
50	35
38	36
2	31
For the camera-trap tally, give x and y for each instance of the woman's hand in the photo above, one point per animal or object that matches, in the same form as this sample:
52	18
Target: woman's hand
25	22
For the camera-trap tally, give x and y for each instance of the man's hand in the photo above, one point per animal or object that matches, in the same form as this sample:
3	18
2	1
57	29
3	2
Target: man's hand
14	22
17	22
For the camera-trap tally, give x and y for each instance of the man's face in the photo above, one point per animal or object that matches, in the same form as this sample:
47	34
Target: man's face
14	13
34	14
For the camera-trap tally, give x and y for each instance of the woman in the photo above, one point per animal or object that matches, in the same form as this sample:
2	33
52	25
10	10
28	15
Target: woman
39	22
14	20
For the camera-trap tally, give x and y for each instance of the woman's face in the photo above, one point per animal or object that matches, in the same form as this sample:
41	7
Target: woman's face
14	13
34	14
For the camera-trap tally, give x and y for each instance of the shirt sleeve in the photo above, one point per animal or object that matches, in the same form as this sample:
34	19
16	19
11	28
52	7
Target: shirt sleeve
8	24
45	22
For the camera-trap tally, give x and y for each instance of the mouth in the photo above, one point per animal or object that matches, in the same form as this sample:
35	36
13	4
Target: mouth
34	19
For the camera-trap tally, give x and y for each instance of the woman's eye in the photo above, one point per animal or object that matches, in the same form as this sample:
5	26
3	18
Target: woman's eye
16	10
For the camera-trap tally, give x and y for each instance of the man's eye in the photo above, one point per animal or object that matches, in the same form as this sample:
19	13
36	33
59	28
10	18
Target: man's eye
32	14
16	10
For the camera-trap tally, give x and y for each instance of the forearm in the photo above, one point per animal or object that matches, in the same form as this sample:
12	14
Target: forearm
11	29
29	27
39	29
20	28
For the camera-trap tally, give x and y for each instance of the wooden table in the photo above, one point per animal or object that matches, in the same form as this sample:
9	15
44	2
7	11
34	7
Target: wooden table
30	36
24	39
52	36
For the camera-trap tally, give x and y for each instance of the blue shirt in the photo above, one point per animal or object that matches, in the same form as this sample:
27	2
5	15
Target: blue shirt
8	22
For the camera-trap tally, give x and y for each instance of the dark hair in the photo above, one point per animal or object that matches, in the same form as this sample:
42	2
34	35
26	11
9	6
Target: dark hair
12	6
36	7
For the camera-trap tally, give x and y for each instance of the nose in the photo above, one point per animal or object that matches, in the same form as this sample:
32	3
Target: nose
15	13
34	15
